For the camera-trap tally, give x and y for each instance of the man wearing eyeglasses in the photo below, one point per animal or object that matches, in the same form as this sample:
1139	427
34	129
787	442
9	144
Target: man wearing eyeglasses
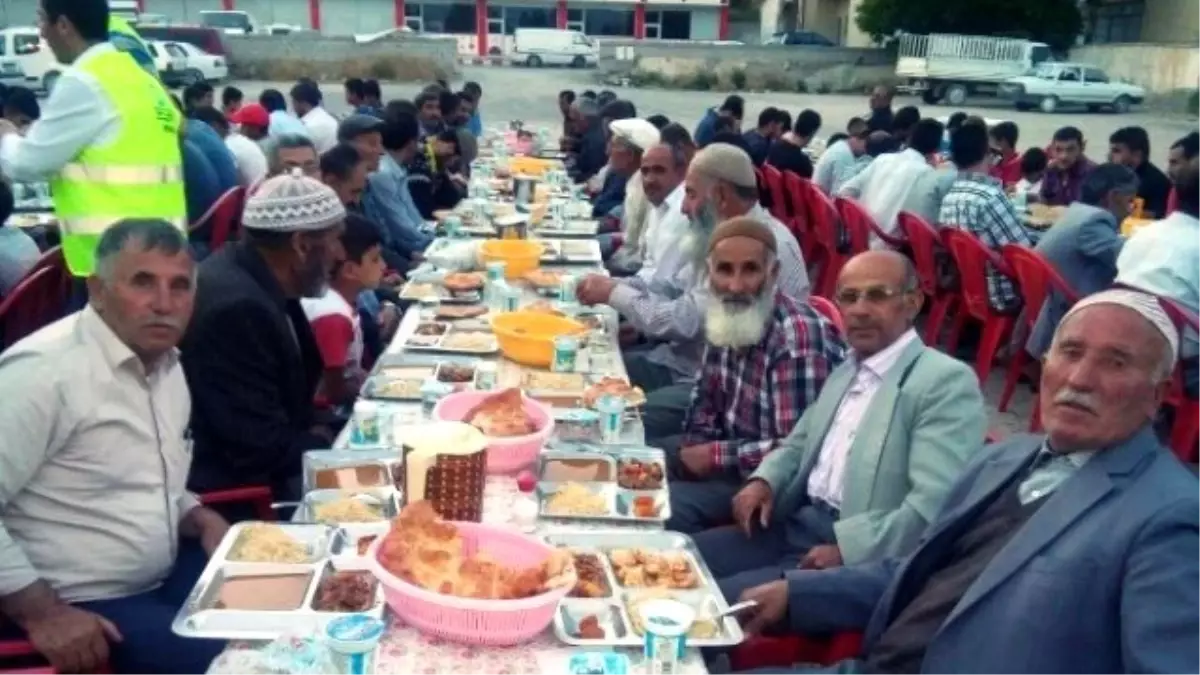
870	461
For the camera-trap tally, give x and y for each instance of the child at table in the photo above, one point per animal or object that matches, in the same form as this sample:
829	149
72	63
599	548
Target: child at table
335	319
1033	168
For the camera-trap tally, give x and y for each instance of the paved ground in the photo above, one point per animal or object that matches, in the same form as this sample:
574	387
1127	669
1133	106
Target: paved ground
513	93
529	95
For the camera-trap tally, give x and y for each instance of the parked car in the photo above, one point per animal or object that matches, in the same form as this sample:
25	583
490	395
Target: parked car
199	65
24	47
1052	84
230	22
11	74
170	60
206	38
809	38
537	47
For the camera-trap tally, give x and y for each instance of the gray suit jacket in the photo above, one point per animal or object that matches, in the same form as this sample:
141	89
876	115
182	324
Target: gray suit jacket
1103	578
1083	246
910	448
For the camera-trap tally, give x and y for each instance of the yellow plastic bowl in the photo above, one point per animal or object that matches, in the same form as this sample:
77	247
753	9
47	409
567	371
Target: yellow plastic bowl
530	166
528	337
520	256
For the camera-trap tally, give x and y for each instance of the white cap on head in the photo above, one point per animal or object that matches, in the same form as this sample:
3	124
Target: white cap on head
293	202
636	132
1143	303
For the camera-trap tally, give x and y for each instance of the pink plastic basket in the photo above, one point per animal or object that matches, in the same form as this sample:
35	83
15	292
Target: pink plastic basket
497	623
504	455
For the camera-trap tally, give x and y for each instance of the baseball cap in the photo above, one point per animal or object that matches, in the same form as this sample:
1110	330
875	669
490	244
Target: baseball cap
356	125
252	114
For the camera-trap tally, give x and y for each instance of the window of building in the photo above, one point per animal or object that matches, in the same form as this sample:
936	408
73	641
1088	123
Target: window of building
612	22
412	17
529	17
676	25
1116	22
575	19
456	19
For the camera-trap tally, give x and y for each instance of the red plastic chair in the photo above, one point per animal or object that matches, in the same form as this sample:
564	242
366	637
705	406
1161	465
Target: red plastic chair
972	258
824	225
258	496
23	650
764	652
772	178
1185	430
224	217
862	225
829	310
793	188
35	302
924	243
1035	277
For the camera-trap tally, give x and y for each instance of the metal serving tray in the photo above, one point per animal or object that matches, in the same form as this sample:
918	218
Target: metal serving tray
618	499
403	383
200	617
374	468
443	342
611	608
428	285
569	228
578	251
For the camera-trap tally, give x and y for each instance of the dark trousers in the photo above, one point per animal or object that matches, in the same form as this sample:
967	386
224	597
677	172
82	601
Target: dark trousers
697	504
148	645
740	562
666	400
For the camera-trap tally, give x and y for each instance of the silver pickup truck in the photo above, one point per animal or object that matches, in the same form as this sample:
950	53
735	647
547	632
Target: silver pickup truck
1051	85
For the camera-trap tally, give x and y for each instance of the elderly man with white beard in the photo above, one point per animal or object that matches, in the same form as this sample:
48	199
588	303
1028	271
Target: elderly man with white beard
872	458
669	311
766	360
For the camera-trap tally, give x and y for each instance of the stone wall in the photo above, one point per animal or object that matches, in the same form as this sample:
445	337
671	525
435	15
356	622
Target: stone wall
395	57
1161	69
748	67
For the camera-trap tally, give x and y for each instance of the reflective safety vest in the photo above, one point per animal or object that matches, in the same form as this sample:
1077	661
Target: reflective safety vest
138	174
126	39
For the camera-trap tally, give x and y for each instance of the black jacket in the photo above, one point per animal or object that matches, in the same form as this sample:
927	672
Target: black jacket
253	367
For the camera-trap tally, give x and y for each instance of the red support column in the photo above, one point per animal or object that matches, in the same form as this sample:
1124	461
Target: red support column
723	22
226	5
314	13
141	6
562	15
400	20
639	20
481	27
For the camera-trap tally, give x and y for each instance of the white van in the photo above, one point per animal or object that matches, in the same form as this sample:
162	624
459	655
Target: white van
229	22
537	47
26	48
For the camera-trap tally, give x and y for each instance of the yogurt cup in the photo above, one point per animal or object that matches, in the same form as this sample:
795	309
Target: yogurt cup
353	638
666	624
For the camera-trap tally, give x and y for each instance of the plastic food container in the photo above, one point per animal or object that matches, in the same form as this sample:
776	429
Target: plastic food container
471	621
353	638
520	256
504	454
528	337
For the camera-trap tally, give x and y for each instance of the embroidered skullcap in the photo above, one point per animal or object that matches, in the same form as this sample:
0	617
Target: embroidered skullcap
1144	304
636	132
727	163
293	202
743	226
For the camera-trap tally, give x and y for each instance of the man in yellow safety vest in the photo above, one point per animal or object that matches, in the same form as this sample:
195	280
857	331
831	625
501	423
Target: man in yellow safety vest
126	39
108	139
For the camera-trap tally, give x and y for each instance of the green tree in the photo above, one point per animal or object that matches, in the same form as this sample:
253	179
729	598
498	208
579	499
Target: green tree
1055	22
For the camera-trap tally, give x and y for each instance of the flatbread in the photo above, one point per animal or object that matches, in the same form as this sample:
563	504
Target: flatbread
615	386
544	278
502	415
463	281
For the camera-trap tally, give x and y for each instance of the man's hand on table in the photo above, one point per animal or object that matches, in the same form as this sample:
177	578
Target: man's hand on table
73	640
822	557
697	459
754	496
772	599
595	289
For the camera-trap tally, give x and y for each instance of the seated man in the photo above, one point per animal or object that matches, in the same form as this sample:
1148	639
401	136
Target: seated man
630	138
251	359
868	465
1068	167
720	184
1074	552
100	541
388	201
766	359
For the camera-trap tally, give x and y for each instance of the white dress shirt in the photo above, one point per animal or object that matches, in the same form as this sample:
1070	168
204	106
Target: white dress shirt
322	128
250	159
94	461
1164	258
665	228
76	115
827	477
882	188
832	163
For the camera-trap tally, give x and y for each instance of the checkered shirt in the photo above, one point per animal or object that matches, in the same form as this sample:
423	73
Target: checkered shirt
977	203
747	400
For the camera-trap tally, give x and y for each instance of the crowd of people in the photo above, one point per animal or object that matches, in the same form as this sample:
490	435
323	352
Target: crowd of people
830	465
